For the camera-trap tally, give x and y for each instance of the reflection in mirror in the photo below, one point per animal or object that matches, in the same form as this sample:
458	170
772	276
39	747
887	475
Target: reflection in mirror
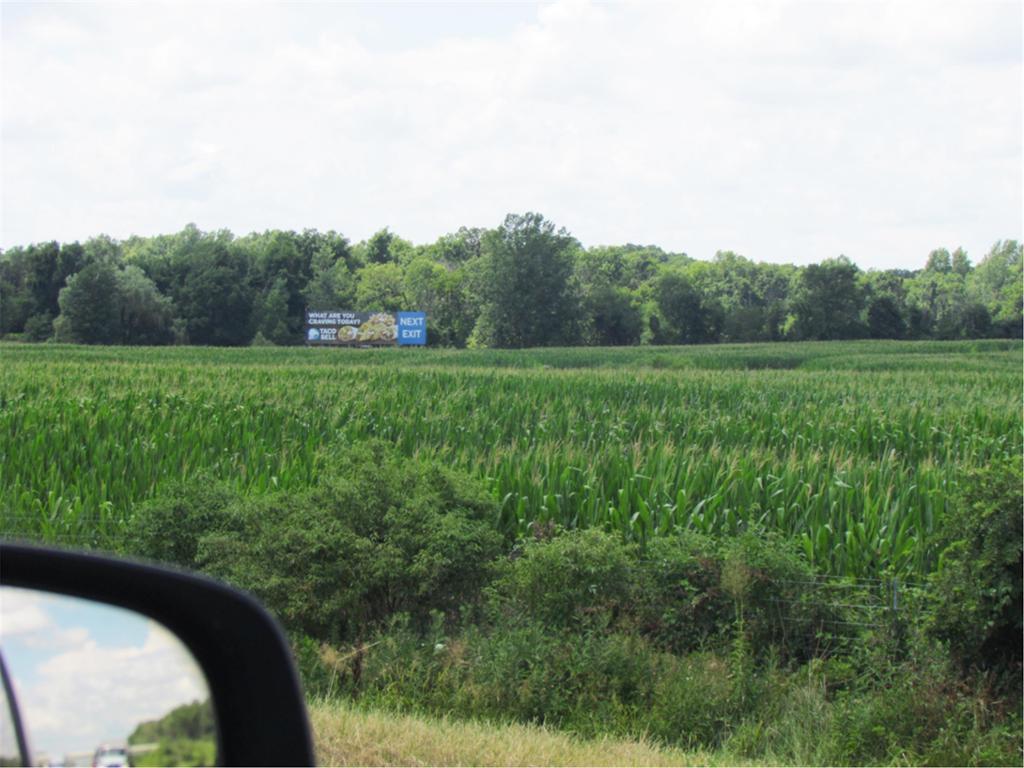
12	746
99	685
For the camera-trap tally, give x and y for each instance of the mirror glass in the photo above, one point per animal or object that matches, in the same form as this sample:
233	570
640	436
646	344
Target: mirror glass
99	685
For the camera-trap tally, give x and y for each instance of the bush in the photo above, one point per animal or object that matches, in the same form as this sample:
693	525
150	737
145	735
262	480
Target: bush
394	535
916	712
680	605
976	593
782	609
296	558
169	527
693	702
579	579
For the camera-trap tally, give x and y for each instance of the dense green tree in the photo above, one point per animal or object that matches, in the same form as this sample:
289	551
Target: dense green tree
939	261
39	327
381	288
441	292
384	247
102	248
975	321
44	278
278	263
960	263
686	317
613	316
998	283
521	284
216	298
611	306
310	242
627	266
941	297
376	250
145	314
526	287
332	285
90	305
752	296
885	320
17	304
827	301
272	315
457	248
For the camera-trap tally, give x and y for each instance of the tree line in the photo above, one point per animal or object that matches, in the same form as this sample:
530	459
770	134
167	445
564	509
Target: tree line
524	283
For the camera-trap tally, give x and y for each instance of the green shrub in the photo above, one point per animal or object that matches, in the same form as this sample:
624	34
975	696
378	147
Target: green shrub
680	605
589	682
917	713
579	578
391	535
976	593
793	723
693	703
299	560
169	527
783	610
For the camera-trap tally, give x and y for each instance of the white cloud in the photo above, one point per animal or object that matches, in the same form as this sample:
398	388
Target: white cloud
91	694
787	131
22	614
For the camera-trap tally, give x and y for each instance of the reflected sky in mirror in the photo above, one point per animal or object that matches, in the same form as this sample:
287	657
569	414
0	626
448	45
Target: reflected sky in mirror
87	674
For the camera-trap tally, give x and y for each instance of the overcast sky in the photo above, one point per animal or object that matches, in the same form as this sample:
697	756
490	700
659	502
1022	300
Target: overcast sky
788	132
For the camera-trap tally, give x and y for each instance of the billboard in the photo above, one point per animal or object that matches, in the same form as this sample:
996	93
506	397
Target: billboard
360	329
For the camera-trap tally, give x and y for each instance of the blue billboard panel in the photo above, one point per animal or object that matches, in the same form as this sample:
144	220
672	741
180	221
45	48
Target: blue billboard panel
412	328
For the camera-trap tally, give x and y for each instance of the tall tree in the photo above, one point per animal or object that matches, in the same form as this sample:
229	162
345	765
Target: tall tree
332	285
385	247
940	297
441	293
527	293
613	316
145	314
272	314
381	288
216	298
686	317
998	283
827	301
90	305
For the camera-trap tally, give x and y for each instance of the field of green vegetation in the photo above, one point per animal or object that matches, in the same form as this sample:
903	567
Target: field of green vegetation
803	553
850	448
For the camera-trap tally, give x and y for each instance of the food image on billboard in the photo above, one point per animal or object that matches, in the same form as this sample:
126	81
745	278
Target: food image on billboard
378	327
338	328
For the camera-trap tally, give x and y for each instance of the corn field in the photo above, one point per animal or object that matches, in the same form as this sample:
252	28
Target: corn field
852	449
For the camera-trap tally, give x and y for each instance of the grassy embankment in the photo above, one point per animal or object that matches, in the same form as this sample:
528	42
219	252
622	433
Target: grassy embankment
346	735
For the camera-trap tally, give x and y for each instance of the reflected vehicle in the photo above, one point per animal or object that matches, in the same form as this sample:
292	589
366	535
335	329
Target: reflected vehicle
111	757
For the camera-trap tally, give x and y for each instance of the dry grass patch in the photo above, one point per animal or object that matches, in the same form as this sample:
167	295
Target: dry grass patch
347	736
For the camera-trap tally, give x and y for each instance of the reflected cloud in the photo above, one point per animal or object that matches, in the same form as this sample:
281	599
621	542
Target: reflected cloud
87	673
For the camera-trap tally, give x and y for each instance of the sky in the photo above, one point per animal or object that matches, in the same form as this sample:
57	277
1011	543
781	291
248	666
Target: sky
785	131
86	673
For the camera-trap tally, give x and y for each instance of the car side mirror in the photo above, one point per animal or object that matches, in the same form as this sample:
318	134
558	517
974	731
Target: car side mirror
258	709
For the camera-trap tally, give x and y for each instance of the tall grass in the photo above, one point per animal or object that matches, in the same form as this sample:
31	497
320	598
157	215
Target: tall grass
852	448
